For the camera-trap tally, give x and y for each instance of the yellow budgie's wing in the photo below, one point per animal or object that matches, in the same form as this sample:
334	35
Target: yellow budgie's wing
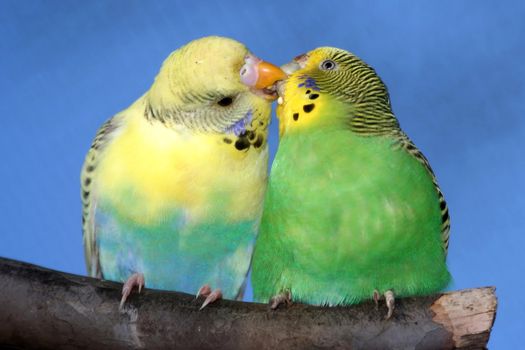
89	198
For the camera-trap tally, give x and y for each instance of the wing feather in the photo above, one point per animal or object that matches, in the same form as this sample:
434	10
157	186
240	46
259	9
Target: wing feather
406	144
88	195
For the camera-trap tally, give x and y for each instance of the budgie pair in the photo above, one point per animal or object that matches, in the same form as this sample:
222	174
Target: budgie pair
173	186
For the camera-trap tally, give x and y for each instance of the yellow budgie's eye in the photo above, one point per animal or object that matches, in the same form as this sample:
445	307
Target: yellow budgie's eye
226	101
328	65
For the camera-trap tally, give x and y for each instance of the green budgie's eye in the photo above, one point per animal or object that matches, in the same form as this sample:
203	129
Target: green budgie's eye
328	65
224	102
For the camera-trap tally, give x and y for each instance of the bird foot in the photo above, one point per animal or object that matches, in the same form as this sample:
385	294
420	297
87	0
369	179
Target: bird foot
281	298
210	295
377	296
389	300
390	303
137	279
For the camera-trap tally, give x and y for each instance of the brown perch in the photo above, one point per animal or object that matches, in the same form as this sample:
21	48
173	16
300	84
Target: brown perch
46	309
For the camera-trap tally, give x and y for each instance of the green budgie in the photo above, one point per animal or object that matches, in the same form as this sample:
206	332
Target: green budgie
172	186
353	210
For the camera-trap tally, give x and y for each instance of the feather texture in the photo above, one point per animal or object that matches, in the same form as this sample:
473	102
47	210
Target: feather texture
352	205
173	185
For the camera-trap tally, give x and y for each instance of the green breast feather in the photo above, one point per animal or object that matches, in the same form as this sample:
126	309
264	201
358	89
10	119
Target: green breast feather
346	215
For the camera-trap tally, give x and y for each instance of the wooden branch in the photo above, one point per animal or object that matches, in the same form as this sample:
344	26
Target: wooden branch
45	309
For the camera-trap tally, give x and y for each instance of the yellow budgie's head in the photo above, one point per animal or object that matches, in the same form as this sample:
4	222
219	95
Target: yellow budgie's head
213	85
331	86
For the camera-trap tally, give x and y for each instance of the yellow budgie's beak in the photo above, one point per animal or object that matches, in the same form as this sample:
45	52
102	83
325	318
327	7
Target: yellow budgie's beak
261	76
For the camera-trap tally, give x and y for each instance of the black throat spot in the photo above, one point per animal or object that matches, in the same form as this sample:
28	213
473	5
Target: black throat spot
308	108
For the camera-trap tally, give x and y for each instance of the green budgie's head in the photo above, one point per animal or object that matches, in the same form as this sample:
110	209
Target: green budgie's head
213	85
330	86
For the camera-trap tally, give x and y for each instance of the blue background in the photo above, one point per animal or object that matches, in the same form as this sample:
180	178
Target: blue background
455	70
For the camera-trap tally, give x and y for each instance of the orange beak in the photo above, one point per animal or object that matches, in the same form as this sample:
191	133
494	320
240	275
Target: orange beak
259	74
269	74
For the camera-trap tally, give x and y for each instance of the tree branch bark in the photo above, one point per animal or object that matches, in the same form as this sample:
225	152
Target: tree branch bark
45	309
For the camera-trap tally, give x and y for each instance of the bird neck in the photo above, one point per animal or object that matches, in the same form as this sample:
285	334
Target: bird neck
372	118
325	112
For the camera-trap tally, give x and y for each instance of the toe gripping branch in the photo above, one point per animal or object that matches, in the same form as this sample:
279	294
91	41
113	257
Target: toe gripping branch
210	295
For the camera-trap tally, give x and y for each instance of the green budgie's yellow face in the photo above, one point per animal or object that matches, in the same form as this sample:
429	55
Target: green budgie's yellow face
212	85
328	86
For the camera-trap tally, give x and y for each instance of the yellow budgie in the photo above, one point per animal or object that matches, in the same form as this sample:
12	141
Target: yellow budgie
172	186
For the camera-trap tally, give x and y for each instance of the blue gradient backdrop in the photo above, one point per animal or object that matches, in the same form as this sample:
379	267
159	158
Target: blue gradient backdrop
455	70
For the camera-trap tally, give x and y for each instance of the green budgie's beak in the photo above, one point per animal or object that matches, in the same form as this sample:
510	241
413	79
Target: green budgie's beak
289	68
297	63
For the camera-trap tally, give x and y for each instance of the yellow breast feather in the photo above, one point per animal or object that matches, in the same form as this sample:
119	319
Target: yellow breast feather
149	170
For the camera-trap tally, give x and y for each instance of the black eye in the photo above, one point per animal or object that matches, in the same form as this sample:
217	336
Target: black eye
225	101
328	65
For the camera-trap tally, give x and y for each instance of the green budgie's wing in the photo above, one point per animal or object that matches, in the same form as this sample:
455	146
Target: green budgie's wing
89	198
388	125
406	144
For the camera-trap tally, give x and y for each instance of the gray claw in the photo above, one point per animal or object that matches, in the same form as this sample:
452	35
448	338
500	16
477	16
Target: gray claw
281	298
390	303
